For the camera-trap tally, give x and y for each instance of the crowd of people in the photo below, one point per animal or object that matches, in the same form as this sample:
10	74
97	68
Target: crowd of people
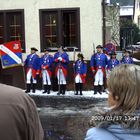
100	64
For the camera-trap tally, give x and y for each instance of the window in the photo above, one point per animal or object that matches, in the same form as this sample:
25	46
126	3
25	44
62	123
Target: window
49	29
12	26
59	27
1	29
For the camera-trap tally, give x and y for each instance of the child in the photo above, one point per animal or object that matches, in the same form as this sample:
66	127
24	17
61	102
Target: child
80	68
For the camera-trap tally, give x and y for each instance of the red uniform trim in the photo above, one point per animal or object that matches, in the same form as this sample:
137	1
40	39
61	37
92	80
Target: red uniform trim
63	60
83	77
56	60
103	70
63	70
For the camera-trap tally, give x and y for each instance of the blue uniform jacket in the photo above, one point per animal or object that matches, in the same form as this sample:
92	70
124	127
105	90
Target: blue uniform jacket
63	64
33	61
46	61
80	67
127	60
98	61
112	63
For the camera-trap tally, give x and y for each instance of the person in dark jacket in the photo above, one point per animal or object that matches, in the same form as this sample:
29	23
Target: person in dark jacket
19	119
122	120
80	70
32	64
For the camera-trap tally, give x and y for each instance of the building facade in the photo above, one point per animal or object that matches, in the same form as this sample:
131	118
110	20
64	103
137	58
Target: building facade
48	23
45	23
137	13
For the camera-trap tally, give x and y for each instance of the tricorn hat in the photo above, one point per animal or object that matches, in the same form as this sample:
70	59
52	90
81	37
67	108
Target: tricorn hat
34	49
47	49
80	55
127	51
60	46
99	46
112	53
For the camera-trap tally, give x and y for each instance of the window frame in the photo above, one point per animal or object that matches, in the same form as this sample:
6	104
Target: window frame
6	30
59	12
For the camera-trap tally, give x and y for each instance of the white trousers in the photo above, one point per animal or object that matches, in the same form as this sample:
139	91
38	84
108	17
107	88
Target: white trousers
61	78
29	76
99	78
78	79
46	78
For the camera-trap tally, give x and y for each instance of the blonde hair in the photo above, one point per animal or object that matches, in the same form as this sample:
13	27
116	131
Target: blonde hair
124	83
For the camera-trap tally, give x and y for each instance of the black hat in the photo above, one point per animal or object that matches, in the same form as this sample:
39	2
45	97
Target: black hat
47	49
80	55
112	53
99	46
59	46
34	49
127	51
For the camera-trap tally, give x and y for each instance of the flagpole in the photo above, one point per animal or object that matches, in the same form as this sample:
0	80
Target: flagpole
74	52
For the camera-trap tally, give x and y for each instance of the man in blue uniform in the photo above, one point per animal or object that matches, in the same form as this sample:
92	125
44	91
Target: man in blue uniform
46	70
98	65
32	64
61	59
127	59
113	62
80	68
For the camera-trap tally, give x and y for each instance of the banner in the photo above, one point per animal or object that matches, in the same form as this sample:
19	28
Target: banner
11	54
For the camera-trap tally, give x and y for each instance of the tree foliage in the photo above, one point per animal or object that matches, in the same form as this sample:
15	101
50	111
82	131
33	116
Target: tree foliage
131	31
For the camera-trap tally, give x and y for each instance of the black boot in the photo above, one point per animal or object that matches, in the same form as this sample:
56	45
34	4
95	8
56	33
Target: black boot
63	89
45	89
28	86
103	88
76	88
81	88
95	89
60	90
34	88
49	88
100	89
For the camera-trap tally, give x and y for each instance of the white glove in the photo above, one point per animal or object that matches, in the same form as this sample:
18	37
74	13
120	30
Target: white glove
60	58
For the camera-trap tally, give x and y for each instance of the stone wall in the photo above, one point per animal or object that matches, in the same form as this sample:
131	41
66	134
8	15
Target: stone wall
67	117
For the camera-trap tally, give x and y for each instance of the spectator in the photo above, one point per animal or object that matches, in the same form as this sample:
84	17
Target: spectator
122	120
18	116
